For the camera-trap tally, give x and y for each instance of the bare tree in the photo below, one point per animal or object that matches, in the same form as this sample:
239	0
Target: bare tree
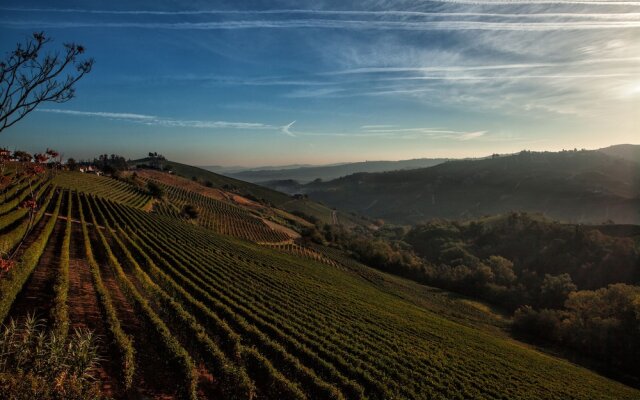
28	77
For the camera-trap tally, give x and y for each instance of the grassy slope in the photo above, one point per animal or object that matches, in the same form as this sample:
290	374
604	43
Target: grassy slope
451	305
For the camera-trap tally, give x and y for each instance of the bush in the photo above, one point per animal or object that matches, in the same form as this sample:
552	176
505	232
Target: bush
543	324
189	211
155	190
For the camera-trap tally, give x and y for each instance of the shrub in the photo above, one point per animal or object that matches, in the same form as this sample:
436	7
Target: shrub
189	211
155	190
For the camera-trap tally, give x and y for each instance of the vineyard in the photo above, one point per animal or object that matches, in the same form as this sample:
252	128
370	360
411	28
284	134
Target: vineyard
219	216
108	188
201	310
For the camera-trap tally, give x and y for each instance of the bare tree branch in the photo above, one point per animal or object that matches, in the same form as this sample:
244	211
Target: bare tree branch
29	78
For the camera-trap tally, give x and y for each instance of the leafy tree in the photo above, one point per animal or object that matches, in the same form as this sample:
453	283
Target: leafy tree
22	156
502	270
111	164
29	77
555	289
603	324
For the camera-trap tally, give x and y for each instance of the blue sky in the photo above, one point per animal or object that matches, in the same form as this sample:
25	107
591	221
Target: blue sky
282	82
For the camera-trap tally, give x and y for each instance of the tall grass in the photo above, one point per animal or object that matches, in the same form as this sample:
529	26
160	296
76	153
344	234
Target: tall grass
38	364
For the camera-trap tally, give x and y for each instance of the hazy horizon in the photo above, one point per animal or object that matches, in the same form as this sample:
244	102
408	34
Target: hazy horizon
253	84
302	164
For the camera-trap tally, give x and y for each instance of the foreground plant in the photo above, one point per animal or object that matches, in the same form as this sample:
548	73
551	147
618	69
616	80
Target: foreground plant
35	364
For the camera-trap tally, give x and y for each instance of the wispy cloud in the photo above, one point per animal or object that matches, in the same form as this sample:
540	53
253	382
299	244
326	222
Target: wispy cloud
465	68
112	115
394	132
552	61
471	135
365	13
439	25
159	121
419	132
315	92
548	2
376	126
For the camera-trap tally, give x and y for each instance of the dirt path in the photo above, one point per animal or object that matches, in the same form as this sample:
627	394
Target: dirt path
38	294
280	228
73	220
276	244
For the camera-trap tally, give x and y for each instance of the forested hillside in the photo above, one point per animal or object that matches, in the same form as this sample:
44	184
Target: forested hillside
573	186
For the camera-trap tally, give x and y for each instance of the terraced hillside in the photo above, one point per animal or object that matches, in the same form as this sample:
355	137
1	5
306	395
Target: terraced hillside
219	216
278	199
189	313
108	188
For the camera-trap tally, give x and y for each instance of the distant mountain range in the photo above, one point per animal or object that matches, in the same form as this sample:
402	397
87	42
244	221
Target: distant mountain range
576	186
306	174
230	170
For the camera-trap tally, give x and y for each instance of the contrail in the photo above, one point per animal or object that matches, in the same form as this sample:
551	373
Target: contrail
286	129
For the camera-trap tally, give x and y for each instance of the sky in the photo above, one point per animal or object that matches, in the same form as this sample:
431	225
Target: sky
315	82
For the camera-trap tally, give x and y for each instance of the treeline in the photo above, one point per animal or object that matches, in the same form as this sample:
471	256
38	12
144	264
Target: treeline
114	163
110	164
603	324
523	259
570	285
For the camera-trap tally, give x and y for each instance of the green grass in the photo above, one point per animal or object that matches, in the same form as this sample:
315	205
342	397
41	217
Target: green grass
453	306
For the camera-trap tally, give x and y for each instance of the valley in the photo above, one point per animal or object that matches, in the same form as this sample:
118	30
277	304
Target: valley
214	310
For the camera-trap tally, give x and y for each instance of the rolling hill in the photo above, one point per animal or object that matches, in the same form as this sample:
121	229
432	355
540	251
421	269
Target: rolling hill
629	152
256	192
186	311
327	172
581	186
